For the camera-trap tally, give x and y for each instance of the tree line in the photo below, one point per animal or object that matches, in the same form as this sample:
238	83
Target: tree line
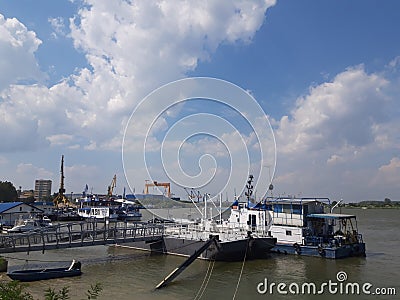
8	193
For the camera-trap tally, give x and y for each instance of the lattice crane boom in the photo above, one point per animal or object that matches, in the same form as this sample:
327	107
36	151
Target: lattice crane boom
112	186
60	198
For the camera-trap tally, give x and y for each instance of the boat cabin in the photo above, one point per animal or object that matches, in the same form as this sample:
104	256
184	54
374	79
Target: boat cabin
254	218
293	211
333	229
289	216
94	212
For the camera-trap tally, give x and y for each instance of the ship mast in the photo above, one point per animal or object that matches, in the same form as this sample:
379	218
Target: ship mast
249	187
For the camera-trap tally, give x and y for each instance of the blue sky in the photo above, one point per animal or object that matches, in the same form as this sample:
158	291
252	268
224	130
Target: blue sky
325	72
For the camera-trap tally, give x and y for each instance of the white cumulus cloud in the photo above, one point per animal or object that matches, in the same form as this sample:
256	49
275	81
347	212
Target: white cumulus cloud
17	48
338	136
131	48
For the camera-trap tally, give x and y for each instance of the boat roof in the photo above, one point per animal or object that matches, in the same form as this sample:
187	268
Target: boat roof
331	216
269	201
281	200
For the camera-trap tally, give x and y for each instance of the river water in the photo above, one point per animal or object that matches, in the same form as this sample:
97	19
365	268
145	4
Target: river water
133	274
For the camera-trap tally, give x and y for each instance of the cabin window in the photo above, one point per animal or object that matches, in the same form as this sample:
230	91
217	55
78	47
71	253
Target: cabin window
288	232
287	208
277	208
296	209
20	208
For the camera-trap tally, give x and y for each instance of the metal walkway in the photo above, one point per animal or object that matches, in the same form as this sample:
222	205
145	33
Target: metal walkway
80	234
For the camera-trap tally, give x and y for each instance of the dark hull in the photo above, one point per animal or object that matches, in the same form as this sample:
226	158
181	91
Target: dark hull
129	218
69	218
252	248
35	275
350	250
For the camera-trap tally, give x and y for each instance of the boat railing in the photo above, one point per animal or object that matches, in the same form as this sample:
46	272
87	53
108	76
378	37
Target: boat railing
313	240
225	231
333	241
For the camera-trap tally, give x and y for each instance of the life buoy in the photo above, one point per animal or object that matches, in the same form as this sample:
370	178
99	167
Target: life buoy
297	248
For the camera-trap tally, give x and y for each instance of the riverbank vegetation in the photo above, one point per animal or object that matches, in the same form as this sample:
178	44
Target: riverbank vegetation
15	290
387	203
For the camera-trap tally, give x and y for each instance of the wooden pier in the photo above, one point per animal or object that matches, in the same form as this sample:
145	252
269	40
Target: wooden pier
80	234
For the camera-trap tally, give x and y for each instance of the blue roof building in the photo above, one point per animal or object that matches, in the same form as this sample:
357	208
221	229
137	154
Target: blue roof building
12	211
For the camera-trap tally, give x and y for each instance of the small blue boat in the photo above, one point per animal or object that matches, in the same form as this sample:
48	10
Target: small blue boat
44	274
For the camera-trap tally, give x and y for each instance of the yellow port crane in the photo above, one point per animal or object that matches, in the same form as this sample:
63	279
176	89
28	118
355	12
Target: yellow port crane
166	186
112	186
60	198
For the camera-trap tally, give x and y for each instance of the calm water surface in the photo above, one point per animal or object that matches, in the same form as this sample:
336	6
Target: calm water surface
131	274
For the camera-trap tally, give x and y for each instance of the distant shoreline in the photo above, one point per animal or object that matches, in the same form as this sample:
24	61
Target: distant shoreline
372	207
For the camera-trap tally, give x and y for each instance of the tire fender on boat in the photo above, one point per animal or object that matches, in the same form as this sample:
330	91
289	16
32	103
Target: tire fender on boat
321	251
297	248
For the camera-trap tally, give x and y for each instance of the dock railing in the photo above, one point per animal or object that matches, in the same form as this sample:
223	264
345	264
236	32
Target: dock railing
77	234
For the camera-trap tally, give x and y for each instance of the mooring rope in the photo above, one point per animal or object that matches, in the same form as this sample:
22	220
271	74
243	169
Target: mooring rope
241	271
35	260
207	277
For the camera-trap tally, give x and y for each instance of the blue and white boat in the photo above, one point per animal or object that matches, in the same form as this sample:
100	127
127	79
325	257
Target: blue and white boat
91	207
128	210
301	226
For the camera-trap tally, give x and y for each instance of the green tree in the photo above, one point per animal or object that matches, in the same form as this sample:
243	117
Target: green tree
8	193
13	290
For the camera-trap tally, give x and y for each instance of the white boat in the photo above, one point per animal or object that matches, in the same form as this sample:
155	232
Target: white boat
234	242
128	210
25	225
45	222
97	212
91	206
